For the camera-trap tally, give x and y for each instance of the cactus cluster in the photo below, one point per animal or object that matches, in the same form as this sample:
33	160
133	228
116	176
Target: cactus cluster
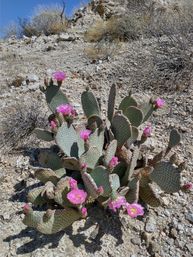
99	161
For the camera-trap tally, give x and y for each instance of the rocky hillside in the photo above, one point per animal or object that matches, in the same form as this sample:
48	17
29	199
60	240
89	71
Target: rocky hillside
141	66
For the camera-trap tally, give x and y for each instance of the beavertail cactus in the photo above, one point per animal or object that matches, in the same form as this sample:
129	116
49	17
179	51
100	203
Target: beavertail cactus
98	161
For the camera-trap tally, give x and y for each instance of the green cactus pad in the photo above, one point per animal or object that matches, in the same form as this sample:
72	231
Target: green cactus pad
120	169
90	104
71	163
130	170
133	193
35	196
55	97
127	102
69	142
114	182
174	138
147	195
61	192
91	157
44	134
94	122
134	135
101	177
60	172
90	185
110	152
58	220
121	129
157	158
111	102
167	176
49	159
33	218
45	175
97	139
134	115
147	109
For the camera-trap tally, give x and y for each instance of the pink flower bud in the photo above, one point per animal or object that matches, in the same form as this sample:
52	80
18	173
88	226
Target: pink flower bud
187	186
100	190
59	75
84	212
53	124
84	166
84	134
26	208
113	162
147	131
73	183
159	103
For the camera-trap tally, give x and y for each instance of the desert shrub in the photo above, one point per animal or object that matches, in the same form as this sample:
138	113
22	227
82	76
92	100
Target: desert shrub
23	118
46	20
116	28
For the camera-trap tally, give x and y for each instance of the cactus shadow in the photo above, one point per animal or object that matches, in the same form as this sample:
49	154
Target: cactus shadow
101	222
21	191
37	241
104	223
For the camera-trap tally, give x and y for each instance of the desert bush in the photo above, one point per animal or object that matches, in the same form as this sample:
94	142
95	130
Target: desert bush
98	160
46	20
23	119
116	28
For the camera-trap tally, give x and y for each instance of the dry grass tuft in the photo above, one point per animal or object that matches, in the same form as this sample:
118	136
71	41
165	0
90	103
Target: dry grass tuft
102	50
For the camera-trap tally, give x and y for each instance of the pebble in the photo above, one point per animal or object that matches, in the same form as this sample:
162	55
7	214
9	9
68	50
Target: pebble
32	78
151	225
189	217
190	247
136	241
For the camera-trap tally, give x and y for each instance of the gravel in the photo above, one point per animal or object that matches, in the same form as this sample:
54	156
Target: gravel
168	229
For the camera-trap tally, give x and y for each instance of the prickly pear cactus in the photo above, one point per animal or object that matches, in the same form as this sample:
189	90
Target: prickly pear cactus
100	163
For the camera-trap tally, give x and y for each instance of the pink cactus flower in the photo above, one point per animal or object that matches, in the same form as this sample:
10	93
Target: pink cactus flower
159	103
134	210
73	183
187	186
26	208
84	212
113	162
84	134
53	124
117	203
65	109
77	196
147	131
100	190
59	75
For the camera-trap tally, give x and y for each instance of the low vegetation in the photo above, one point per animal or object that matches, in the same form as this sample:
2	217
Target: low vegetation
46	20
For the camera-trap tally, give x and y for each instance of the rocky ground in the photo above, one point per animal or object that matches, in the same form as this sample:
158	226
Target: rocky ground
166	231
